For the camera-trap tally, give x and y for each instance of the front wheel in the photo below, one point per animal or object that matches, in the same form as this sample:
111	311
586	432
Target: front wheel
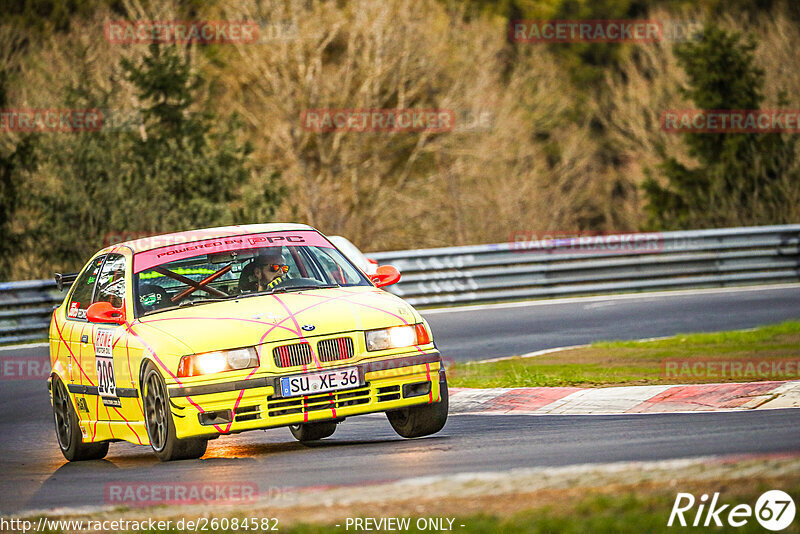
159	423
423	420
68	432
313	431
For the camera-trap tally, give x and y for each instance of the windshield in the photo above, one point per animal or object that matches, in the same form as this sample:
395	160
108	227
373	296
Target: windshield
238	267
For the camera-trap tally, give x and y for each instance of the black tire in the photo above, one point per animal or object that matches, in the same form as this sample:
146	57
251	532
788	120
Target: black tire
313	431
159	424
68	433
423	420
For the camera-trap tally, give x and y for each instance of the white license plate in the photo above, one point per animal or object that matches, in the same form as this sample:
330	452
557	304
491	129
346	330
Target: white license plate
311	383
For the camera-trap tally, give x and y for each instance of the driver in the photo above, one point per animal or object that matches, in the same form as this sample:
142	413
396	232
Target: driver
265	271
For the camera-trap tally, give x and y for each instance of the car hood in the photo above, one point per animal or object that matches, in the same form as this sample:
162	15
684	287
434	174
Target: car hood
284	316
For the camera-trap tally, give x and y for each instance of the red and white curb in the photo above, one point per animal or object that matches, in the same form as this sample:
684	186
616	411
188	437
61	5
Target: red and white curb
625	399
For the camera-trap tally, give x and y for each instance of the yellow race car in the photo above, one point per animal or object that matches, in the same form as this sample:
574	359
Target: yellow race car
172	340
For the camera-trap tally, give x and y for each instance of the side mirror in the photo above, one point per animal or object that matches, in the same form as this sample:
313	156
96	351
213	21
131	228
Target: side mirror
385	276
104	312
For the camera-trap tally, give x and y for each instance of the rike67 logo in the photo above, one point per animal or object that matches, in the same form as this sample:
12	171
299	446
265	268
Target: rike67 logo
774	510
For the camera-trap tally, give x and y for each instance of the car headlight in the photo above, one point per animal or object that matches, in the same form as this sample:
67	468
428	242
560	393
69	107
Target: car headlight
397	337
218	361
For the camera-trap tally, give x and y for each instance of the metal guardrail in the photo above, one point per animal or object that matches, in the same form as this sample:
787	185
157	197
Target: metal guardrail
528	269
25	309
565	266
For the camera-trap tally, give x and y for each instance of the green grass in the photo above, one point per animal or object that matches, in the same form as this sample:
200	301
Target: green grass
629	502
625	512
598	515
638	363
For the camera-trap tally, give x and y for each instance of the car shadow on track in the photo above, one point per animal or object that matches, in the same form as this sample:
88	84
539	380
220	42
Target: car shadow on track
265	451
367	442
73	475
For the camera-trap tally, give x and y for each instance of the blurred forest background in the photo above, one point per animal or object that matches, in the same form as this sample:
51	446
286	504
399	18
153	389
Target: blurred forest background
550	137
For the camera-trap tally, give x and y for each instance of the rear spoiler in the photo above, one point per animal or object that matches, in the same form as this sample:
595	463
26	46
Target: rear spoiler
65	280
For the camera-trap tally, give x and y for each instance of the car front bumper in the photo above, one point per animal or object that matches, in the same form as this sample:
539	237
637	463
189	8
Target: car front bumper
222	408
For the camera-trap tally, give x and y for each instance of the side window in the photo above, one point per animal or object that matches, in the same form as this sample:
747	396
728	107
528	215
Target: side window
339	269
82	290
111	282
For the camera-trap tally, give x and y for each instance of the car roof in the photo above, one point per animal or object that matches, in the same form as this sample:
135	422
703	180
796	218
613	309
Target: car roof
189	236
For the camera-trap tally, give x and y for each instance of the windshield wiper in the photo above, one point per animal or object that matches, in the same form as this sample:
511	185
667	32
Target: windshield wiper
184	304
198	301
302	288
282	289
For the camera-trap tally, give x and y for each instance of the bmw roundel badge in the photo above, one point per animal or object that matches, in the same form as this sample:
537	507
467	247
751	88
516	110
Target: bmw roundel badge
308	327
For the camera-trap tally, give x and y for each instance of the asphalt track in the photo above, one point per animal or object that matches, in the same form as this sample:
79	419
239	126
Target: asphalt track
509	330
365	449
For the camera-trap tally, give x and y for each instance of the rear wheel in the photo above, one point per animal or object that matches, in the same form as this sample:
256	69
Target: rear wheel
68	432
159	424
423	420
313	431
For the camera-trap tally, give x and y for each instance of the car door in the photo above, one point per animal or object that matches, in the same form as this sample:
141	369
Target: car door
75	332
107	361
